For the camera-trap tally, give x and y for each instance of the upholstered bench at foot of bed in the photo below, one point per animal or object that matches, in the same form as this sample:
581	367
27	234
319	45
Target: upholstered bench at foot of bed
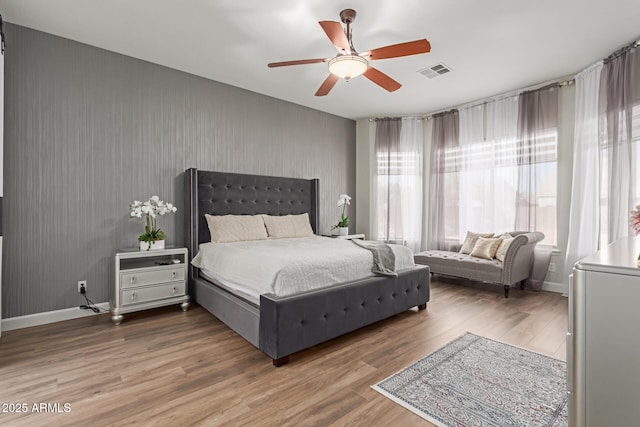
291	324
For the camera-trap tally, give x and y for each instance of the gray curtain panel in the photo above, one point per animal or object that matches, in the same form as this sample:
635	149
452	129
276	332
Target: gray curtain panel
387	149
619	92
537	119
445	136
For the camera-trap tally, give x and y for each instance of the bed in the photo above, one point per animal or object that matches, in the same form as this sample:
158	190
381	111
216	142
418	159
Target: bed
283	325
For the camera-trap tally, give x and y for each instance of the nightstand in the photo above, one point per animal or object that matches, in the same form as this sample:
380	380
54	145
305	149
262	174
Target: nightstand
349	237
148	279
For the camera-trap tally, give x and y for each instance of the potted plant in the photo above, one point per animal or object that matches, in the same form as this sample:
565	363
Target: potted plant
342	227
153	237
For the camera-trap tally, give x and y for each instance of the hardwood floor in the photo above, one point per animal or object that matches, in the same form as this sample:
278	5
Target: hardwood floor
166	367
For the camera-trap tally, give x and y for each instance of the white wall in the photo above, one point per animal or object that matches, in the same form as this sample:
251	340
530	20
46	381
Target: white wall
566	108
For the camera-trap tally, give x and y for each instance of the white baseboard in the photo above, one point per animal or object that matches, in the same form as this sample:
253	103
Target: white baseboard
74	313
560	288
48	317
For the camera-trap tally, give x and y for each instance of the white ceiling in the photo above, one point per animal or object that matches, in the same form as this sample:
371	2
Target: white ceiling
493	46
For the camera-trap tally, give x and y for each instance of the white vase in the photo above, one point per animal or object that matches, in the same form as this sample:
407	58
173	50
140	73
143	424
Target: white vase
152	246
343	231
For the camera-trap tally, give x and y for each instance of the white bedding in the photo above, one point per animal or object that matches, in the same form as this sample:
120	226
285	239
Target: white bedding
289	266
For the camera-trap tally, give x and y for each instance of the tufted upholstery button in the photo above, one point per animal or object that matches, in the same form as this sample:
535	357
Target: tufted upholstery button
324	316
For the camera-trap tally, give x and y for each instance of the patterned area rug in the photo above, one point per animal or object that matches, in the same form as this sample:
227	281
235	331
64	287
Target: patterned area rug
475	381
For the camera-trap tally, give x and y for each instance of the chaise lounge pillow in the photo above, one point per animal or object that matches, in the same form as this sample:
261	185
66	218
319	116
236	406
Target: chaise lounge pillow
485	247
235	228
470	241
505	241
288	226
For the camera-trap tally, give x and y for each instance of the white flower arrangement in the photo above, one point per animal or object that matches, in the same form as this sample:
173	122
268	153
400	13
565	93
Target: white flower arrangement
151	210
343	201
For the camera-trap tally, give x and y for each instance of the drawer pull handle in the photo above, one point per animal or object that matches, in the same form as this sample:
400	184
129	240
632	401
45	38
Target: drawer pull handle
133	279
134	296
173	274
174	290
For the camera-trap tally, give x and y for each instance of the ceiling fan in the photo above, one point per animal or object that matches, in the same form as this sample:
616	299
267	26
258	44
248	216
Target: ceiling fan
349	63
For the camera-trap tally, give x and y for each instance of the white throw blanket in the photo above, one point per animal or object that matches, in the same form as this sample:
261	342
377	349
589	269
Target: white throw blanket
290	266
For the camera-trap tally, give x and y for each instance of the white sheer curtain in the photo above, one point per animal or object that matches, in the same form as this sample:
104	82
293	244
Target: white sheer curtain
488	168
619	114
397	194
584	219
411	145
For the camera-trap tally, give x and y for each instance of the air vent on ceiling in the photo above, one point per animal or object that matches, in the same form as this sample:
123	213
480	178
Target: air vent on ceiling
435	70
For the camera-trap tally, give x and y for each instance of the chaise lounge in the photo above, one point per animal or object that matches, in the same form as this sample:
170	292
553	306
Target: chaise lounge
516	267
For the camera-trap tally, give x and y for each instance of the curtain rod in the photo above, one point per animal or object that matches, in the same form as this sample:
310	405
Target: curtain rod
559	83
622	51
379	119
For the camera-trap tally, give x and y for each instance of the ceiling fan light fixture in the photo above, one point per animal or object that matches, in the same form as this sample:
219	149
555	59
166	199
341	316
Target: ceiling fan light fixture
348	66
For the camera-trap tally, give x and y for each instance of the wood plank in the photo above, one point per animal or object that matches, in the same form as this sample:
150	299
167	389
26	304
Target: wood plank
166	367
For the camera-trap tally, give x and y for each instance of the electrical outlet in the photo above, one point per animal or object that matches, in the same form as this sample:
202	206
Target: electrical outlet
552	267
82	284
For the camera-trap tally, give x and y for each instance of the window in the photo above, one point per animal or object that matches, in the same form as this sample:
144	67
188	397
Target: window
500	174
486	189
392	169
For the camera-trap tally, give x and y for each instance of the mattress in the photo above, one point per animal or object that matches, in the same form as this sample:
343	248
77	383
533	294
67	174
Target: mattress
286	267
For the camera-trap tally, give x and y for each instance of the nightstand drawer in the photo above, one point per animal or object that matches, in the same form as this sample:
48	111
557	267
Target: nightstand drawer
151	293
142	278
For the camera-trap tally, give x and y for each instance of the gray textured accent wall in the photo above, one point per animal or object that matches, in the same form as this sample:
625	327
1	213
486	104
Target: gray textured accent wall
87	131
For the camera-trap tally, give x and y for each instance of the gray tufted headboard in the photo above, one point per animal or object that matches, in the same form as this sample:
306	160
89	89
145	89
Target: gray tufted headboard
223	193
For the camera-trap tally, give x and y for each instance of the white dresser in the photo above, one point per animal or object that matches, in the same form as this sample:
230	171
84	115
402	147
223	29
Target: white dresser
603	342
148	279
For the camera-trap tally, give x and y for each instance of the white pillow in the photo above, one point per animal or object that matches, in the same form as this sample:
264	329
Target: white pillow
235	228
288	225
470	241
505	241
485	247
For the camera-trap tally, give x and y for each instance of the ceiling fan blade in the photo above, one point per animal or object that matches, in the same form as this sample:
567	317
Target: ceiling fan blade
398	50
381	79
327	85
336	35
298	62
